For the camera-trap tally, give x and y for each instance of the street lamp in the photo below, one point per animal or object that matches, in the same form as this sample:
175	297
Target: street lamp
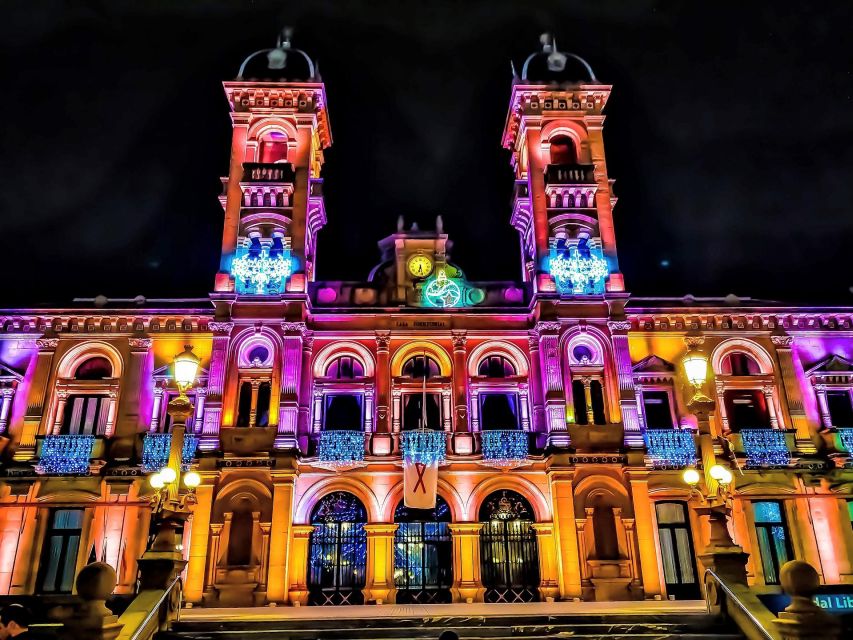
171	508
716	503
696	369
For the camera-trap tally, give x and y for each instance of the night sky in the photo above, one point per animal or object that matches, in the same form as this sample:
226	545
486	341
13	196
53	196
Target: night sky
729	133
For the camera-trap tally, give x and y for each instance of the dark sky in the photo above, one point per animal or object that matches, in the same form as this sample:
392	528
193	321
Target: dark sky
729	134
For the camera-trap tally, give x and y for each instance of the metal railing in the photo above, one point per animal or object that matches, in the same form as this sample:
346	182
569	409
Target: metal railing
151	612
750	611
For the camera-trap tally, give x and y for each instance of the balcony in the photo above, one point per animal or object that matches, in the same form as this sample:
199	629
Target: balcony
670	448
570	174
155	451
765	447
844	440
341	450
267	172
505	449
66	454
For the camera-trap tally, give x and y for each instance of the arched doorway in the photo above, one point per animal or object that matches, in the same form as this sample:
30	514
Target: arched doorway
423	554
509	553
338	553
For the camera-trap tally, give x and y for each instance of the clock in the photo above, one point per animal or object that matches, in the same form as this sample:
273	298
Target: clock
420	265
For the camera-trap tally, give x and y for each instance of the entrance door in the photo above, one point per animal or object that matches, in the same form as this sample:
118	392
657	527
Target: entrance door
338	553
676	550
509	555
423	554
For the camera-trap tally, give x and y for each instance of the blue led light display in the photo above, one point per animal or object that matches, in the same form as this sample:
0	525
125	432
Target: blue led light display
578	272
66	454
504	448
424	446
155	451
341	448
765	448
846	437
671	447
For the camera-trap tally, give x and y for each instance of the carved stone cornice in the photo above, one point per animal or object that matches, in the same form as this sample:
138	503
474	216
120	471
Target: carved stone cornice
694	342
459	339
547	328
47	344
383	340
617	326
294	328
140	344
221	328
782	341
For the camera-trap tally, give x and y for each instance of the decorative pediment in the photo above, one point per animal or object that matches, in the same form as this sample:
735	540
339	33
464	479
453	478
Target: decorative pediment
833	366
653	364
8	374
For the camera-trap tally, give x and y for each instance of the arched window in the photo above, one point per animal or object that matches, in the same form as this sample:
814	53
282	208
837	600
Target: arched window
423	563
419	367
583	354
740	364
345	368
342	412
496	367
273	148
258	355
338	551
96	368
509	554
563	150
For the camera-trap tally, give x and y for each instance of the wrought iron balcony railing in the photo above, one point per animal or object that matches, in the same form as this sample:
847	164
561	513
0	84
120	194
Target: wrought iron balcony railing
570	174
765	447
66	454
670	448
268	172
504	448
340	450
155	450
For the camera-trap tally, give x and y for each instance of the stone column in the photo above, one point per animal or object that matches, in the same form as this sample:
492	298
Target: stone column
790	370
587	398
644	524
379	579
397	410
460	380
383	382
566	534
156	408
467	585
535	380
769	393
225	538
23	573
823	405
633	437
253	407
263	570
59	415
38	399
209	440
549	585
7	394
298	570
197	564
280	537
213	557
130	418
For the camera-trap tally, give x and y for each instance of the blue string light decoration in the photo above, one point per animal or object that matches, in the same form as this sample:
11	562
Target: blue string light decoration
262	270
424	446
155	451
846	437
505	449
578	270
765	448
66	454
670	448
341	450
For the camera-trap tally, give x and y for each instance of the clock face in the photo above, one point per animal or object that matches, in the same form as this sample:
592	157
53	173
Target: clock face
420	266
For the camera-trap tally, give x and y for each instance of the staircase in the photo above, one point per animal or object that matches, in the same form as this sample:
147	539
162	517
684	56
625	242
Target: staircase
337	623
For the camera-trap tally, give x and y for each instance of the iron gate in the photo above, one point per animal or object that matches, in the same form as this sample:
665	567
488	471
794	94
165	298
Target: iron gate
423	562
338	553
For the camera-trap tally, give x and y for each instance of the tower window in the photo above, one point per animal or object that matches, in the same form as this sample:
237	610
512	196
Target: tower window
563	151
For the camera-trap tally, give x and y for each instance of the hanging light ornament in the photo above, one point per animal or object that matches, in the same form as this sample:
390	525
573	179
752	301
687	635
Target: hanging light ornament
341	450
575	272
262	272
442	291
505	449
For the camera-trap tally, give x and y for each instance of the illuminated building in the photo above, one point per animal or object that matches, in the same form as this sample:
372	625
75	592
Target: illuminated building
568	409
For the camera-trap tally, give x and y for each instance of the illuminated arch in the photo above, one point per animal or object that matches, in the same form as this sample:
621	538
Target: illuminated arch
575	132
82	352
247	340
257	494
419	348
497	348
337	349
445	490
741	345
523	486
323	488
592	487
269	125
596	345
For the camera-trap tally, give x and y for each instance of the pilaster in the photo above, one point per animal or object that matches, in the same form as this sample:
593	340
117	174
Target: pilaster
467	584
298	564
379	580
549	583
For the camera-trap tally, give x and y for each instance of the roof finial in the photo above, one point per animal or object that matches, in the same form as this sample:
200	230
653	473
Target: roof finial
401	224
439	224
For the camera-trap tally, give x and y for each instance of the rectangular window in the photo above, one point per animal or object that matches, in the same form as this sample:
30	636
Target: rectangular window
677	550
774	543
342	411
746	409
413	411
840	408
498	411
86	415
657	410
59	552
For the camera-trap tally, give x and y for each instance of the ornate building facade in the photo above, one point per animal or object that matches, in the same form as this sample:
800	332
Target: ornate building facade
569	408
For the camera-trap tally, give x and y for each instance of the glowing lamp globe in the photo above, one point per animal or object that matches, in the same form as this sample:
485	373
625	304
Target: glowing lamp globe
691	477
168	475
721	474
192	479
186	366
696	368
156	481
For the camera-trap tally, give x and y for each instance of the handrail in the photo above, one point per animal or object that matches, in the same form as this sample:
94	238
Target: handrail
141	631
767	634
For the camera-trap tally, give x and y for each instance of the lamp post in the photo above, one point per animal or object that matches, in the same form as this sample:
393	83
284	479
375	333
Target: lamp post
171	508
